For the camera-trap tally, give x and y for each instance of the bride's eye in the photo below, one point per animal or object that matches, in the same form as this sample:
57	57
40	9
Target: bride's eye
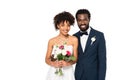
62	25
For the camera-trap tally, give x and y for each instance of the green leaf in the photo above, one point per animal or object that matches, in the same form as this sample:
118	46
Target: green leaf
60	57
73	58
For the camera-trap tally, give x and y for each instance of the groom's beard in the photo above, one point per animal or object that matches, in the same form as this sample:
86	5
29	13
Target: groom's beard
83	27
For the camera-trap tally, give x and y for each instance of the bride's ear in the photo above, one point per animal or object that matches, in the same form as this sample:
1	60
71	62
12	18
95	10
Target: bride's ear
58	26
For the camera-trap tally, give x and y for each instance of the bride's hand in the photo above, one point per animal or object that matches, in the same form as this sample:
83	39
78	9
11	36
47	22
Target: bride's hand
64	63
56	64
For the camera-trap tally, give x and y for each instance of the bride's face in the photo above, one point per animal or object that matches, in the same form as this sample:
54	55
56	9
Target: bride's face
64	27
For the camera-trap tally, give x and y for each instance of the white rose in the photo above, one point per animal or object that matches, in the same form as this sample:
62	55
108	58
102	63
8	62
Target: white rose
58	51
64	52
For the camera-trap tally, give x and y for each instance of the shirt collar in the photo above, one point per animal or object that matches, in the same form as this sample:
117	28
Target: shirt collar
88	30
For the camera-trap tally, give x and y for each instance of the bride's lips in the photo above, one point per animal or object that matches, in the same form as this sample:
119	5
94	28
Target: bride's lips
65	31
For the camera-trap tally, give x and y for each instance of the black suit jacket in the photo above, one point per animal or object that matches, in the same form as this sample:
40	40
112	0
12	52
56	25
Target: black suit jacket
92	62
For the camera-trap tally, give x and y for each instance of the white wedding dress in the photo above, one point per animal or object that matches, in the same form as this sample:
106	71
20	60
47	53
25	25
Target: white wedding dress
68	72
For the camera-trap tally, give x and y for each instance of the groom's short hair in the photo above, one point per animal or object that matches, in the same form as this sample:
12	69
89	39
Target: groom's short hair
83	11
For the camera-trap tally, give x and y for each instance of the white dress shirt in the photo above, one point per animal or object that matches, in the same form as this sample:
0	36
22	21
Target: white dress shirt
84	38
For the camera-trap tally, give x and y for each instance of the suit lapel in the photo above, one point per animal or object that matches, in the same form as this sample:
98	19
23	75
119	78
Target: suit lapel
80	46
89	39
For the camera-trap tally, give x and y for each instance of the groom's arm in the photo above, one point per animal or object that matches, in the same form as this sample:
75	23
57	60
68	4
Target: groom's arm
102	58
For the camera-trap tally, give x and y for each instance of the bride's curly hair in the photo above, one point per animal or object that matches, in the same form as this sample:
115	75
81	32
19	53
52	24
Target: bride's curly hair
62	17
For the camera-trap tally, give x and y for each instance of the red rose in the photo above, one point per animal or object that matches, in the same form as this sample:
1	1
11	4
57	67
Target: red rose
68	53
61	47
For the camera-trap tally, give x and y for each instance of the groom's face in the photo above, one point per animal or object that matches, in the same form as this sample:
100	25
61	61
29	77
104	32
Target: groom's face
83	21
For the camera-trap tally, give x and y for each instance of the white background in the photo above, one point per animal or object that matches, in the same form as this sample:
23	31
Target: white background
27	25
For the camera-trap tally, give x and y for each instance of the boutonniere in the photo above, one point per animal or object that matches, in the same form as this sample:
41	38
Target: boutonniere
93	39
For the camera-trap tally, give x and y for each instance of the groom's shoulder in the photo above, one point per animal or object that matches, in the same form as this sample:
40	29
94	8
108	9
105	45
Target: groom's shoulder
75	34
97	31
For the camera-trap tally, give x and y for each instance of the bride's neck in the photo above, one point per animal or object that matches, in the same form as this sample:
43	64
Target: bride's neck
63	36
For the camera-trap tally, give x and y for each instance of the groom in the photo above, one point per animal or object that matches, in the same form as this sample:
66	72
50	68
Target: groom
91	64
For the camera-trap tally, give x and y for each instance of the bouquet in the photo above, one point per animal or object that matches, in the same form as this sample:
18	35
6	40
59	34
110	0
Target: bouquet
62	53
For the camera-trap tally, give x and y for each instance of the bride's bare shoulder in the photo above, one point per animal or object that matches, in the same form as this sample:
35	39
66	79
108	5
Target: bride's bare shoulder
73	38
53	40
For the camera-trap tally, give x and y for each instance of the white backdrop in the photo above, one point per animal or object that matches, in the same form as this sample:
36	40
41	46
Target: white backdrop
27	25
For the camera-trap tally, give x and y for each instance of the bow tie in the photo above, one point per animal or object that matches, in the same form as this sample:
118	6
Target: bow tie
83	33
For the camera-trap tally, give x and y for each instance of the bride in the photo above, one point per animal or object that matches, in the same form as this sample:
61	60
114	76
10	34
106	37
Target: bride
61	69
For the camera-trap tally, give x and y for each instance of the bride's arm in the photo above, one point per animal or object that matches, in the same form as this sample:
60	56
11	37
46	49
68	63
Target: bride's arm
75	49
48	55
